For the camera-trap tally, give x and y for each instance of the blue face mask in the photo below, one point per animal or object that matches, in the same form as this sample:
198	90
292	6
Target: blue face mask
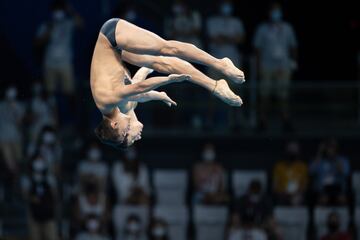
276	15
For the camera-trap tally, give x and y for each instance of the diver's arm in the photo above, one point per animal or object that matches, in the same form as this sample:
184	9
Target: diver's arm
151	96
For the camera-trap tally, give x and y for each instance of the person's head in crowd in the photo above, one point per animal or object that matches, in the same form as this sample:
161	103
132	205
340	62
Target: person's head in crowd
48	136
226	8
209	153
158	229
254	191
331	149
38	168
93	224
333	222
133	227
94	153
58	9
11	94
275	12
179	8
292	151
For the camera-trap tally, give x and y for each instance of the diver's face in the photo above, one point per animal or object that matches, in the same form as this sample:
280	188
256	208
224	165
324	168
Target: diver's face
134	132
121	123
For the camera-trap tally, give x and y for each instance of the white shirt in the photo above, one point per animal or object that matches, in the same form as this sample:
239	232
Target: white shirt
124	182
274	41
228	26
59	48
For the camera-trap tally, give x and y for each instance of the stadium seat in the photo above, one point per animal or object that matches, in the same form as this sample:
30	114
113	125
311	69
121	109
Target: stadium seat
241	180
321	214
177	218
210	222
170	186
293	222
122	212
356	187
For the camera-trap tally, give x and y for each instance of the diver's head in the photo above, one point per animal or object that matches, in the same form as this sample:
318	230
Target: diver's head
118	130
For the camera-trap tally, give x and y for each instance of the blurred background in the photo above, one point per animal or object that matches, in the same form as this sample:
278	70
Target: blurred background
285	166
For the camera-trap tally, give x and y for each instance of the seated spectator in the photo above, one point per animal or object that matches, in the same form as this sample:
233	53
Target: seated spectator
245	229
158	230
93	230
11	116
91	203
131	180
93	167
209	179
290	177
42	112
134	229
255	204
334	233
330	171
40	193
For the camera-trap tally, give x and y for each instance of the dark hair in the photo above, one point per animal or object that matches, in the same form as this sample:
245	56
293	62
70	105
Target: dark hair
109	136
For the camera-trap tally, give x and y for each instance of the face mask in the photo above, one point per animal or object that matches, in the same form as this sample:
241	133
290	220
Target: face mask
11	94
92	225
49	138
178	9
209	155
130	15
159	231
39	165
276	15
94	154
133	227
226	9
58	15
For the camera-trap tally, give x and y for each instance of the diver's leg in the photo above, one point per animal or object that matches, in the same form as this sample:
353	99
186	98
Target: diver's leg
134	39
169	65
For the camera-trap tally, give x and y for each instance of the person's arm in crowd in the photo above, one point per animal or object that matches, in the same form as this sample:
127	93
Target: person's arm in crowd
78	20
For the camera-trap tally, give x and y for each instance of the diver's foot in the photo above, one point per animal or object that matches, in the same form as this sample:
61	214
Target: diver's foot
232	72
223	92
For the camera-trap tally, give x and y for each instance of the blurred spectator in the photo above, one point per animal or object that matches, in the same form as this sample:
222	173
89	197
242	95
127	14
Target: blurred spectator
158	230
225	33
244	230
290	177
254	205
55	37
93	167
330	171
131	179
275	45
11	116
48	146
92	230
134	229
92	203
184	24
209	179
40	193
41	110
334	232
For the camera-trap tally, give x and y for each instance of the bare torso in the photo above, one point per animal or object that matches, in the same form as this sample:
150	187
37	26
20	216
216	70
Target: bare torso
107	73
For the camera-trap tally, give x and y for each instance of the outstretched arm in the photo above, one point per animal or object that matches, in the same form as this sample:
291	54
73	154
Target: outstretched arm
128	91
151	96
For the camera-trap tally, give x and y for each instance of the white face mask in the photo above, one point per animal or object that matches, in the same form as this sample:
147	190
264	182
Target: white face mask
226	9
11	93
49	138
39	165
159	231
58	15
209	155
92	225
94	154
133	227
